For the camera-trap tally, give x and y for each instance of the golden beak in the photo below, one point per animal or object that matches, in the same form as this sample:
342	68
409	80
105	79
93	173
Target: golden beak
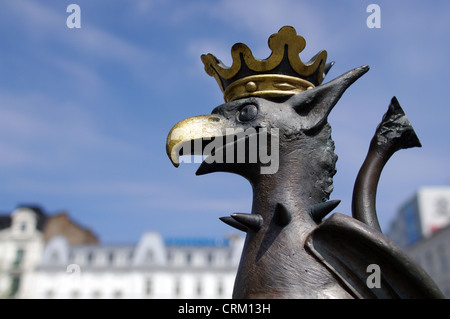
203	127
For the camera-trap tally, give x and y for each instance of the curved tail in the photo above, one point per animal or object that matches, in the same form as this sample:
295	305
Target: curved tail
395	132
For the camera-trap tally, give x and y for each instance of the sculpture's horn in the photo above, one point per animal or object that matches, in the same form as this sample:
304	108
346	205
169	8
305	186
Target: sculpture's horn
230	221
319	211
251	221
395	132
315	104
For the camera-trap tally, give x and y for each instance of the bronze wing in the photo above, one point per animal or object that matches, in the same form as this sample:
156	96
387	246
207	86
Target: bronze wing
347	247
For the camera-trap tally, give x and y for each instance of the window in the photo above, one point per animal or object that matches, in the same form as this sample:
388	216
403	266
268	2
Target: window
188	258
90	257
177	288
199	288
169	257
220	288
15	282
110	258
19	257
210	258
23	227
148	286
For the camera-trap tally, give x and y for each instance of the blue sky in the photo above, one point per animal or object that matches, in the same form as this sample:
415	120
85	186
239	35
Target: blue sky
84	113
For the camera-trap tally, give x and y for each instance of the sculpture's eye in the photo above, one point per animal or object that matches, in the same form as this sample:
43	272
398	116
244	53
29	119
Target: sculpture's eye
247	113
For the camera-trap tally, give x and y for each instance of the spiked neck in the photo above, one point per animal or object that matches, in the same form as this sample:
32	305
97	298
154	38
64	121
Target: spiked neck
304	176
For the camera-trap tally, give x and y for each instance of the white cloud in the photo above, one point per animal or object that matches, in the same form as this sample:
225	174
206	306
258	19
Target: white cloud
263	18
41	24
13	155
38	129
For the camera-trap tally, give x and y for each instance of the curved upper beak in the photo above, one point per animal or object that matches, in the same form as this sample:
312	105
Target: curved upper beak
180	138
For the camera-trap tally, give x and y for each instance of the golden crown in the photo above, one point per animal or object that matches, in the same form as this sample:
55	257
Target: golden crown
281	74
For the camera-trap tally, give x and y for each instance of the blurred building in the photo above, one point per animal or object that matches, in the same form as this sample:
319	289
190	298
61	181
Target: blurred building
23	236
154	268
433	254
45	256
422	229
21	246
425	213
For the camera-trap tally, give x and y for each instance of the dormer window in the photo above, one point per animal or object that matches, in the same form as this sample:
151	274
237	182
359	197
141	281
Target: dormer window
24	221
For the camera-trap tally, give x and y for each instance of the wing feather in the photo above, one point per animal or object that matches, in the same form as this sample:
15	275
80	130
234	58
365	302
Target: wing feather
347	247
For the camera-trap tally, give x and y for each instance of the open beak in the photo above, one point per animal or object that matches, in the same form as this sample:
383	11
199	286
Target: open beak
184	133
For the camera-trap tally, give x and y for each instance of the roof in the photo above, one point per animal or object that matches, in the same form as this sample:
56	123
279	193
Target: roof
5	222
5	219
197	242
41	216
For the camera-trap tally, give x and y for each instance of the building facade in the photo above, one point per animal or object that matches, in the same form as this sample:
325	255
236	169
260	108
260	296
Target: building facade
45	256
422	229
424	214
433	254
21	247
154	268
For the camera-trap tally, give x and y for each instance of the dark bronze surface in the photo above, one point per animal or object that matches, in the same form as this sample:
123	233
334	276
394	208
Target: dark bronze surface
395	132
291	249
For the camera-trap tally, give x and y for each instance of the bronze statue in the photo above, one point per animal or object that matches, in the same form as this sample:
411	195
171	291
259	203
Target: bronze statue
279	106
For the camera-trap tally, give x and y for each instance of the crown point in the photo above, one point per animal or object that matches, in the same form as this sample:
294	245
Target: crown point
282	74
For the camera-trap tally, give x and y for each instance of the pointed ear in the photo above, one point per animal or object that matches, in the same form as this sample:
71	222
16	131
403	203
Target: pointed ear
315	104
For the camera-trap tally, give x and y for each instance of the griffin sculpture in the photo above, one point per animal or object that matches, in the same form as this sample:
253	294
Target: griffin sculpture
291	250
